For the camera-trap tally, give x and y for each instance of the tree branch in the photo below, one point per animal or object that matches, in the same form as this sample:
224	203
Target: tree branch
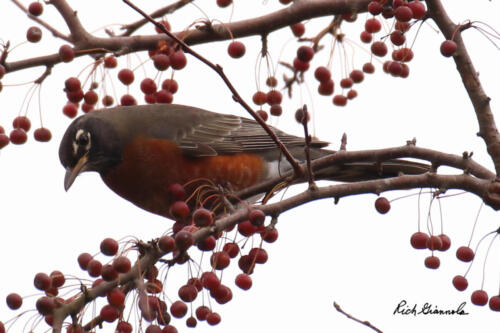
470	78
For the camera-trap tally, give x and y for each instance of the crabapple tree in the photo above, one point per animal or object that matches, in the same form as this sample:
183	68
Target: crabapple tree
324	51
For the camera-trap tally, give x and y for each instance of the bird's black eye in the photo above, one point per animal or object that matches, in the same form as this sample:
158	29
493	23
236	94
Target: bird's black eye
82	139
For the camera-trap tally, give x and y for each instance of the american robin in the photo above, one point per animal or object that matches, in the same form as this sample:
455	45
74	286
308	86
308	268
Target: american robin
139	151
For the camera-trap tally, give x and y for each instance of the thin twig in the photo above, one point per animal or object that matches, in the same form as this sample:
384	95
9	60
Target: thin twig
307	148
132	27
365	322
44	24
236	96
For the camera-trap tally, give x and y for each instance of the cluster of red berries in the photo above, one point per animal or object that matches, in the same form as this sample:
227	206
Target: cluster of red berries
152	308
21	125
273	98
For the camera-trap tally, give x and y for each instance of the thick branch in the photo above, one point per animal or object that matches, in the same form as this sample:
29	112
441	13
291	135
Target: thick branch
299	11
470	78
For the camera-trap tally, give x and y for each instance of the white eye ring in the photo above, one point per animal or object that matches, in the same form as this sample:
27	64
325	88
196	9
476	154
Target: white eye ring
82	139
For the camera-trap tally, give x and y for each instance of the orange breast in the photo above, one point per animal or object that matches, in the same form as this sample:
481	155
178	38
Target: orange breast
150	165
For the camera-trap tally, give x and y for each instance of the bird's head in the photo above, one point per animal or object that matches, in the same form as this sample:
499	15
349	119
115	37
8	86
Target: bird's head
90	143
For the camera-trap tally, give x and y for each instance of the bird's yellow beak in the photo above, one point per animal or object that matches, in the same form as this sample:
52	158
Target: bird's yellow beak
72	173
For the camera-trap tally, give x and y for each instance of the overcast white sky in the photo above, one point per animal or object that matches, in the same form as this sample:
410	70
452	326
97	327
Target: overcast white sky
346	253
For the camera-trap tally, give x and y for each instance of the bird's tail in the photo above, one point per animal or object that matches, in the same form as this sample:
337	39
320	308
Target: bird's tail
361	171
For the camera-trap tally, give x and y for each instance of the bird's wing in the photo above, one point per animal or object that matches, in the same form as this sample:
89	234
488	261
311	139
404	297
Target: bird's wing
203	133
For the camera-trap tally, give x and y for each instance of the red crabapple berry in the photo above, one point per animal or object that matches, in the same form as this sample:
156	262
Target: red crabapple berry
35	8
357	76
66	53
148	86
188	293
351	94
346	82
232	249
18	136
22	122
271	82
432	262
178	60
379	49
72	84
122	264
224	3
170	85
34	34
91	97
116	297
273	97
220	260
191	322
368	68
183	240
213	318
109	247
126	76
42	134
402	26
276	110
479	297
465	253
202	217
448	48
244	281
382	205
257	217
460	282
164	96
269	235
202	312
494	303
300	66
305	53
259	97
236	49
4	140
418	9
434	243
262	114
298	29
161	61
179	210
403	13
14	301
109	313
446	242
176	191
110	62
375	7
366	37
326	88
419	240
340	100
373	25
299	115
94	268
178	309
84	259
322	74
45	305
397	38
